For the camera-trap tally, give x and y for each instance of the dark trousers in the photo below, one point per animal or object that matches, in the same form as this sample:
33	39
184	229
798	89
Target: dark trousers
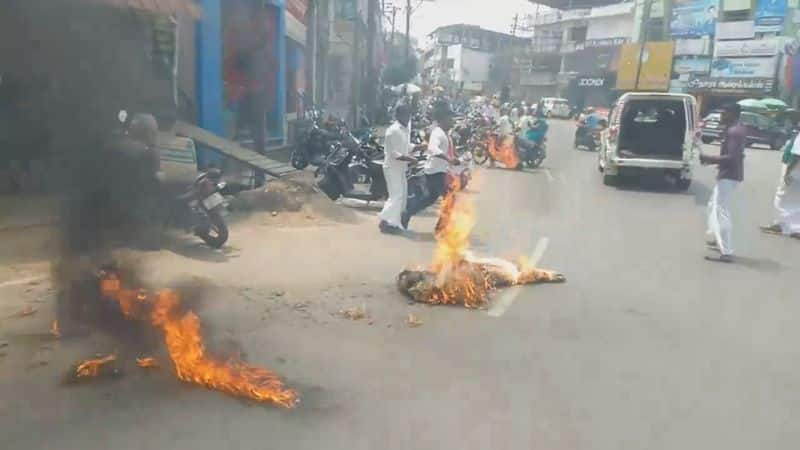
437	185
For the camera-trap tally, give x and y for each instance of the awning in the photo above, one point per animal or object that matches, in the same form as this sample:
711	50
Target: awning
163	7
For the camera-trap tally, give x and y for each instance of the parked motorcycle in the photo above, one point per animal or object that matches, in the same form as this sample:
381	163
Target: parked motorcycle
314	143
207	207
353	170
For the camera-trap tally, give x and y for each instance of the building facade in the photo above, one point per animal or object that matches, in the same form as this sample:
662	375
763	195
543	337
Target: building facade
716	50
469	58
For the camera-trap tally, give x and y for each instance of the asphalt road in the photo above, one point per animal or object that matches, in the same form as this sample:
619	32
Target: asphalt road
647	346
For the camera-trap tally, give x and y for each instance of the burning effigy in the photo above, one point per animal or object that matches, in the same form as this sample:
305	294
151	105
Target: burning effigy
181	331
503	150
456	275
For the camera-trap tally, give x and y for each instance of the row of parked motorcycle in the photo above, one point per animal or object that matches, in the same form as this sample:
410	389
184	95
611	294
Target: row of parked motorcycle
349	163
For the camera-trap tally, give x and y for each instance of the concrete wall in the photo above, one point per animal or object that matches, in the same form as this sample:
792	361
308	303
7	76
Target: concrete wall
474	65
610	27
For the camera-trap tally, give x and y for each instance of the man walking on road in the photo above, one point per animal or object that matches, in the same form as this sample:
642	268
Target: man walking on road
787	197
731	172
395	163
441	156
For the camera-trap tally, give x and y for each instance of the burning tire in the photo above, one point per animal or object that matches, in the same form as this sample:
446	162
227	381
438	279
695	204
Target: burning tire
215	233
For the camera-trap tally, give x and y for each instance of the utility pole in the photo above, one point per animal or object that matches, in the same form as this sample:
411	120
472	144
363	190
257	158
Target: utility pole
643	33
371	75
355	88
515	23
408	33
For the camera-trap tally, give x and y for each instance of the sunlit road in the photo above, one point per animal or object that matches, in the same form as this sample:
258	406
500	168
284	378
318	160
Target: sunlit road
647	346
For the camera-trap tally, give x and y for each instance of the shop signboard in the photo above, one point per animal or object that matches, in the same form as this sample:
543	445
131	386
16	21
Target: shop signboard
693	46
743	67
601	43
770	14
591	82
693	18
743	29
656	68
746	86
753	47
691	64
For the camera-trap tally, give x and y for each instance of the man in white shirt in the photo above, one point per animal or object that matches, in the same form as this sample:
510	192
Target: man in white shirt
397	147
787	196
441	155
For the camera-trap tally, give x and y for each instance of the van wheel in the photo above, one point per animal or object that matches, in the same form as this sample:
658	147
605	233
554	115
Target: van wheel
707	139
610	180
776	144
683	184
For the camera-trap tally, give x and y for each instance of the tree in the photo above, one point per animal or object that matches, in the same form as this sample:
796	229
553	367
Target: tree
399	71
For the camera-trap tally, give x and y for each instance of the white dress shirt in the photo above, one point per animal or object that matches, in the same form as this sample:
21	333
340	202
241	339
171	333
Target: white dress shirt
396	145
439	144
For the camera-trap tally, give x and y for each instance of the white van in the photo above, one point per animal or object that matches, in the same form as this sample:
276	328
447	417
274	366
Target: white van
651	132
555	107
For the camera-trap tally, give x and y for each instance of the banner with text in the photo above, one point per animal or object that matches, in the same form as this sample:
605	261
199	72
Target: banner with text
744	67
693	18
770	14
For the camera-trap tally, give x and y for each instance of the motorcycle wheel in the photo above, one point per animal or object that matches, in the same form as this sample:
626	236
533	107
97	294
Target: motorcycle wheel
298	160
480	155
215	233
536	162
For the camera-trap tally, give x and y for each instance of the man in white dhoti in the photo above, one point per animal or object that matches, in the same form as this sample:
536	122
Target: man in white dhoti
731	172
787	196
396	149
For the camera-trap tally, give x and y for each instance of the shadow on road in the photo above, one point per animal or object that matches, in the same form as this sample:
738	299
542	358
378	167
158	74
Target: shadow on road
194	249
758	264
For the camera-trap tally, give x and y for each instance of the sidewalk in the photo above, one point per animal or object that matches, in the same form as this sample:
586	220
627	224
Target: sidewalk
22	211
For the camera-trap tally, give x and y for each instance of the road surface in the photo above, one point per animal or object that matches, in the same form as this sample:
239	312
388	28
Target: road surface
647	346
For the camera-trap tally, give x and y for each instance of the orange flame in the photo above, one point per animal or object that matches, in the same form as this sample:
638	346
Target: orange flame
186	349
91	367
147	362
505	151
55	330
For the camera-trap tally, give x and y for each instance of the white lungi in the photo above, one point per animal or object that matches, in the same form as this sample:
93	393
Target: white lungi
397	186
787	204
720	225
396	145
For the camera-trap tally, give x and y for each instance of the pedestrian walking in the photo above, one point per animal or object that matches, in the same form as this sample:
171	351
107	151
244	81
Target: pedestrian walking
731	172
441	155
397	147
787	196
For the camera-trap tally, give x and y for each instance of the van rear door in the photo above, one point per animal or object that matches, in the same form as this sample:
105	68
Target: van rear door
691	140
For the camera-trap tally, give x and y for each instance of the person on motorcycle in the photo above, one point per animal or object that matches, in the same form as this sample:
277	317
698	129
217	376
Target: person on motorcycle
397	147
534	134
441	156
587	124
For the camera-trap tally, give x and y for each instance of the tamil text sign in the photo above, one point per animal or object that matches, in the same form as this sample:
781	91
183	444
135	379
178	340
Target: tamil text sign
754	86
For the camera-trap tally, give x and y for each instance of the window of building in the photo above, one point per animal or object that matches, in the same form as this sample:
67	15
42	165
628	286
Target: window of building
577	34
732	16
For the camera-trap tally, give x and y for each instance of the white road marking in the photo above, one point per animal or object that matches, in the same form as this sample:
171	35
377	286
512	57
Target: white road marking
507	298
19	281
549	175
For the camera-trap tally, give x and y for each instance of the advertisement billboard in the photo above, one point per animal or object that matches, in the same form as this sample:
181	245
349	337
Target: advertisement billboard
656	68
743	67
693	18
758	47
691	64
770	14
